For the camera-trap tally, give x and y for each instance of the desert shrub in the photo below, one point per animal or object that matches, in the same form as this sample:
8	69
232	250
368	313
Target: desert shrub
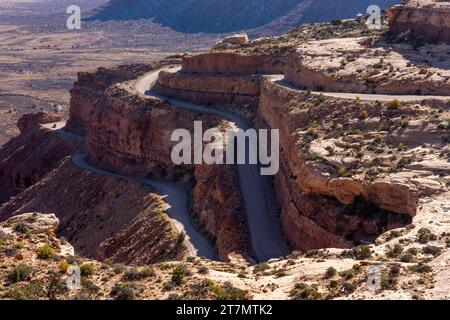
45	252
302	291
331	272
226	291
30	291
347	274
87	269
181	238
178	274
394	104
63	266
363	114
21	228
168	286
396	250
362	252
420	268
203	270
395	270
20	272
424	235
348	287
123	291
118	268
408	258
387	282
88	285
336	22
433	250
134	274
261	268
333	284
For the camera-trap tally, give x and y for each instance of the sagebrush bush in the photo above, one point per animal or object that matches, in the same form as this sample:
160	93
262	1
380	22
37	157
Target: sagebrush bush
87	269
20	272
45	252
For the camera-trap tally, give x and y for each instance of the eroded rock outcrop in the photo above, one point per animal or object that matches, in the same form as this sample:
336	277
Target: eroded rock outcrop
429	19
26	159
369	65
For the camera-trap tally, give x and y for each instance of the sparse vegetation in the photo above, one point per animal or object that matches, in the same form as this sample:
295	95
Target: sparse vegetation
123	291
302	291
87	270
20	273
425	235
45	252
330	273
226	291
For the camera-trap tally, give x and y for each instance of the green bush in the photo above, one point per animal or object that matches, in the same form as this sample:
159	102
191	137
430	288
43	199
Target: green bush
433	250
261	268
21	228
20	272
424	235
45	252
387	282
395	251
123	291
178	274
203	270
87	269
134	274
420	268
330	273
227	291
362	252
302	291
408	258
181	238
31	291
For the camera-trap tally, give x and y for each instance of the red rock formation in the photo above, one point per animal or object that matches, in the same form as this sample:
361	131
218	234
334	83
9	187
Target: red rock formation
90	87
210	89
231	63
32	121
431	21
217	206
27	158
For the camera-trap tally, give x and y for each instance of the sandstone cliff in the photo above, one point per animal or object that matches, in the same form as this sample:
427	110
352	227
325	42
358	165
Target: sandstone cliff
27	158
428	19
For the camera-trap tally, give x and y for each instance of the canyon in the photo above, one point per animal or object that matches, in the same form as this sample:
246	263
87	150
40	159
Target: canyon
363	169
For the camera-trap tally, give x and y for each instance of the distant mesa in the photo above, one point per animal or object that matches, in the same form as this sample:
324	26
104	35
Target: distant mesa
217	16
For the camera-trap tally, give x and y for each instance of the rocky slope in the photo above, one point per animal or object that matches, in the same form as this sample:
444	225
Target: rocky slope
27	158
102	217
219	16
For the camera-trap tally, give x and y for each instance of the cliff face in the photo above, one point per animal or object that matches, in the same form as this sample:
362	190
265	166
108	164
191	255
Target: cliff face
27	158
232	63
90	87
318	209
432	22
